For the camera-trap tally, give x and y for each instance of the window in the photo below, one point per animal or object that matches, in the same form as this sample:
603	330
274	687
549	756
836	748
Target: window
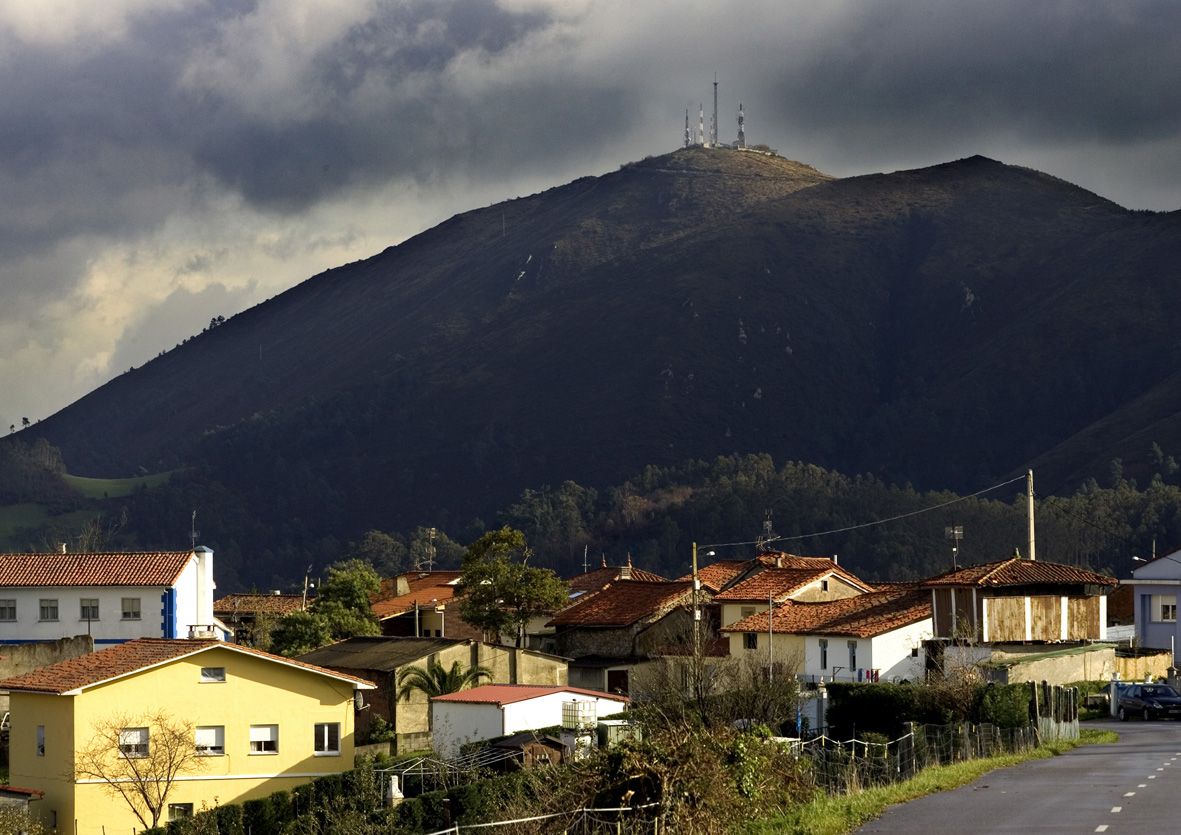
211	740
1164	608
914	652
48	609
824	653
824	585
178	811
747	611
8	609
40	740
213	674
750	640
131	609
89	608
327	738
264	739
852	655
133	742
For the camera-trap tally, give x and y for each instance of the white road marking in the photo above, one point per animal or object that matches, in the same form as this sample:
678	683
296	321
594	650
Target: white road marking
1160	769
1151	776
1129	794
1101	827
1141	785
1115	810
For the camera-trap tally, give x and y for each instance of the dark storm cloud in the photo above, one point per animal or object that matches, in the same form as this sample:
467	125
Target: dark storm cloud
1045	72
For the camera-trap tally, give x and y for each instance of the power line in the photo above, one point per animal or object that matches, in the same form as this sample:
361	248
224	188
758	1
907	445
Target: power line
1053	500
939	506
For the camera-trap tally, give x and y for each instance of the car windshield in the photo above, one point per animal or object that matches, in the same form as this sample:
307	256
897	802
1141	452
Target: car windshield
1156	691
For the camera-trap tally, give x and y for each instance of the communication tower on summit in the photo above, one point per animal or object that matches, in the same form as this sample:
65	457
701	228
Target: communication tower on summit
701	124
686	127
713	127
741	127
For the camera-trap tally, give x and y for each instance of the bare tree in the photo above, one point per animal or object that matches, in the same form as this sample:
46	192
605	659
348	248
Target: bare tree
139	758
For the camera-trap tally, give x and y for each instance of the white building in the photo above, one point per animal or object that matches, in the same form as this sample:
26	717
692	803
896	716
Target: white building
114	597
499	709
872	637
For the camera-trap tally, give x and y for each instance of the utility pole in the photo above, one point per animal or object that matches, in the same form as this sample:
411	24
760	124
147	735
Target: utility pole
770	637
696	609
1029	500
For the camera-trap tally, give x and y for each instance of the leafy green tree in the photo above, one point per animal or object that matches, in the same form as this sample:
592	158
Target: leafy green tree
341	611
500	592
435	680
299	632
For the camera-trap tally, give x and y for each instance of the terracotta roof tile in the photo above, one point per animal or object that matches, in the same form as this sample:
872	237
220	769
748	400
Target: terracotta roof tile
504	694
1020	572
598	578
145	568
428	588
257	604
126	658
717	575
863	616
782	582
624	603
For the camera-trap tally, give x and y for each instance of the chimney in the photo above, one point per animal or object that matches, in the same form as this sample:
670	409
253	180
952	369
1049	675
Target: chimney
63	547
836	559
779	560
205	584
625	572
403	586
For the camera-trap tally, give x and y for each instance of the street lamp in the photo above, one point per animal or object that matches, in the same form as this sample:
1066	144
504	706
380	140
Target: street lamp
697	603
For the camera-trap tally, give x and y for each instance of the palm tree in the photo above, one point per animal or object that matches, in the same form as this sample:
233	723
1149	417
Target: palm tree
436	681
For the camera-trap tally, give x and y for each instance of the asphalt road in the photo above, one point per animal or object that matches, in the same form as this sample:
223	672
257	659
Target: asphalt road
1131	786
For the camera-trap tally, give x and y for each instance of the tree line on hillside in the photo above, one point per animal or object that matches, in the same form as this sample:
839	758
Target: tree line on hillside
729	506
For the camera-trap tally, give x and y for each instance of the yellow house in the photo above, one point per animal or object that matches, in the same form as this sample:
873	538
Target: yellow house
247	722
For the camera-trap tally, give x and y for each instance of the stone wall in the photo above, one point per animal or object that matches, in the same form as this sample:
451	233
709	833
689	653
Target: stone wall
18	659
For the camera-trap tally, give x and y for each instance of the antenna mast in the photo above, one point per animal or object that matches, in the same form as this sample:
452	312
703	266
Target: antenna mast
714	124
701	124
741	127
193	532
686	127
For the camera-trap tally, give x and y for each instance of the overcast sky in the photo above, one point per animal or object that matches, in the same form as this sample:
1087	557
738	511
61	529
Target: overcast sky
166	161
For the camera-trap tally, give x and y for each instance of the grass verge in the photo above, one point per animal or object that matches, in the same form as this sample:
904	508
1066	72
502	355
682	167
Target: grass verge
840	814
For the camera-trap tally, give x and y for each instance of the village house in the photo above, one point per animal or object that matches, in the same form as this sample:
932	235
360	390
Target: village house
495	710
381	659
809	579
1154	588
246	614
260	723
876	636
421	604
112	597
607	633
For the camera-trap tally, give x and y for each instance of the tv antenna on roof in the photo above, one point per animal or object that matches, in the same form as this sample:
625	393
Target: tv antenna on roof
193	532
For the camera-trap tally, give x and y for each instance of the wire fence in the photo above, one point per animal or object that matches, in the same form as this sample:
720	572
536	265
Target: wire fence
841	767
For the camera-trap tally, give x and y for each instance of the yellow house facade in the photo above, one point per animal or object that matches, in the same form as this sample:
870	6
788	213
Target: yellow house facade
258	724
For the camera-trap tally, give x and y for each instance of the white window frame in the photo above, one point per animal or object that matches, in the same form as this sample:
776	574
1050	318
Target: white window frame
8	609
88	603
1164	608
824	653
179	811
323	739
134	743
852	645
132	608
210	740
213	675
264	740
47	604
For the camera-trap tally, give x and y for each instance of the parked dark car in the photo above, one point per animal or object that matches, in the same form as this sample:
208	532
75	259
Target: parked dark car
1150	701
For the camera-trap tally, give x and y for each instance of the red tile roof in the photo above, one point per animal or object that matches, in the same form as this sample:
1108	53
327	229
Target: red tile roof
146	568
864	616
30	793
716	576
782	582
599	578
426	588
133	656
624	603
257	604
1019	572
505	694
